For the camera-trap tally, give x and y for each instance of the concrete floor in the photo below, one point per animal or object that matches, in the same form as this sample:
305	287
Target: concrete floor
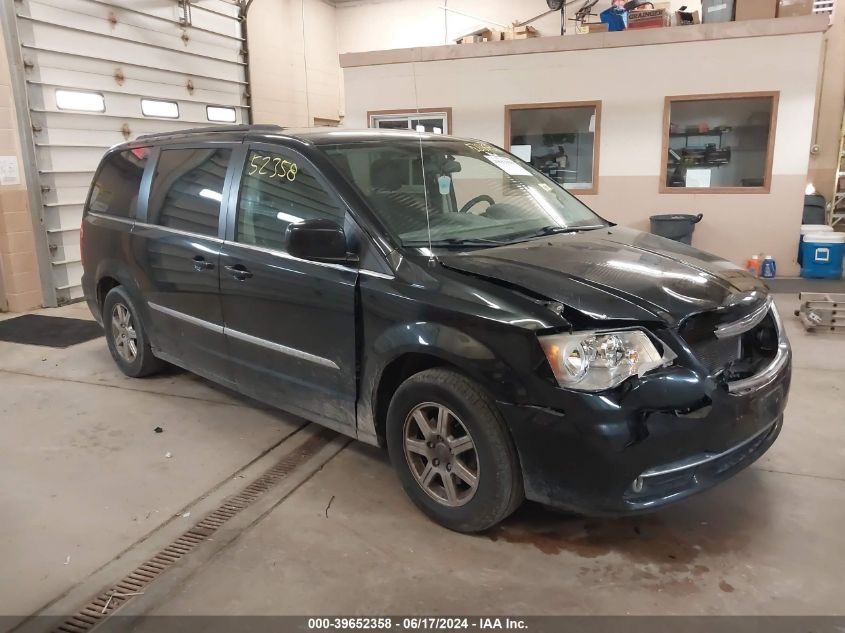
88	492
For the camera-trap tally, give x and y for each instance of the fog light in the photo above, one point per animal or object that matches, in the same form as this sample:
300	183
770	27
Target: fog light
638	484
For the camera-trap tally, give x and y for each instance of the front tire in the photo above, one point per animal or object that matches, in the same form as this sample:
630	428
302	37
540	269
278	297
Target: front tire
452	451
125	336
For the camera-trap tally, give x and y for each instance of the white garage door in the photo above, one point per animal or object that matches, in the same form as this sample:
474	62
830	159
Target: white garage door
99	73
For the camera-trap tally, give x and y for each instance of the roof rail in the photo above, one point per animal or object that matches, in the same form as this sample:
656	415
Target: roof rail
211	129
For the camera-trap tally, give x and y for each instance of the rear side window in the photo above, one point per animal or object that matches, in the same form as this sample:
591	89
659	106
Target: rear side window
187	189
278	190
116	190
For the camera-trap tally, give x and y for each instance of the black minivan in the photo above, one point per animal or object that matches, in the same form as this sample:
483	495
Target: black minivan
441	297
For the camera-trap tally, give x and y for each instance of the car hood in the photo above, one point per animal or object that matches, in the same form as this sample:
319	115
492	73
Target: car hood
615	274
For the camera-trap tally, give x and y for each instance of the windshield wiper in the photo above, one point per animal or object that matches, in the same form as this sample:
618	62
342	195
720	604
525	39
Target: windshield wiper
458	241
554	230
468	240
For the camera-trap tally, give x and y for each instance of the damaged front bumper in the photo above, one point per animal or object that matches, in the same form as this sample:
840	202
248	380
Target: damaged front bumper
676	433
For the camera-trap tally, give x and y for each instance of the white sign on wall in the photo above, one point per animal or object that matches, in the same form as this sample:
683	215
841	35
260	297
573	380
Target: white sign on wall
9	172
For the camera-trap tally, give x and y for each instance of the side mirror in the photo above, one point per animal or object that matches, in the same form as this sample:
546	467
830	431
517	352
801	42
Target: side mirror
318	240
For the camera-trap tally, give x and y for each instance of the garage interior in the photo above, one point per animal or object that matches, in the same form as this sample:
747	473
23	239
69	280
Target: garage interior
732	110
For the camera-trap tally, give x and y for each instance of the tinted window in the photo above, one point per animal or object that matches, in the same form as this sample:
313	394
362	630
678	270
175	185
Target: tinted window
278	190
187	189
118	183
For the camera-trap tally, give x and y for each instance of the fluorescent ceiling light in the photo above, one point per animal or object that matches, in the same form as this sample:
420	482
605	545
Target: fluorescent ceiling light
161	109
221	114
83	101
212	195
286	217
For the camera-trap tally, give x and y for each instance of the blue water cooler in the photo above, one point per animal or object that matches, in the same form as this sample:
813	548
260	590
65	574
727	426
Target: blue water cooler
821	255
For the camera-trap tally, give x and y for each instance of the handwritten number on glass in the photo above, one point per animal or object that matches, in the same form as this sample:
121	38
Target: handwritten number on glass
273	167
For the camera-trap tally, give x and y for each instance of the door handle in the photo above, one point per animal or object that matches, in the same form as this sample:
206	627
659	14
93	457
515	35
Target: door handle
239	272
200	264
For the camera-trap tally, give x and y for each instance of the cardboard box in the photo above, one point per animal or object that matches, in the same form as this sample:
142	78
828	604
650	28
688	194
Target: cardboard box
646	19
755	9
521	33
481	35
794	8
583	28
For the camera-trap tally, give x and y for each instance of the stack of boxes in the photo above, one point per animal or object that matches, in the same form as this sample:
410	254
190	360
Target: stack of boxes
494	35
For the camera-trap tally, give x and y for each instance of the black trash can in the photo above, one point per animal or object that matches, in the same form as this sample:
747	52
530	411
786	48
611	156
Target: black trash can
675	226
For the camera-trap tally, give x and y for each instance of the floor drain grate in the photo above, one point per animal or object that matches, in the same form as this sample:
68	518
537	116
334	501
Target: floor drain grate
134	582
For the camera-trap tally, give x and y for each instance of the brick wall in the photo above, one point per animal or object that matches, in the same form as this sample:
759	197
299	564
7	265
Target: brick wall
20	287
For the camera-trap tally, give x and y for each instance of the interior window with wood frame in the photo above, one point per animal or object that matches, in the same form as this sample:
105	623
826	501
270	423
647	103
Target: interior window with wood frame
431	120
719	143
559	139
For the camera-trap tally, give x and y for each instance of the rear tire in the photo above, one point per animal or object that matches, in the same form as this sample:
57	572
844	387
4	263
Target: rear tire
442	428
125	335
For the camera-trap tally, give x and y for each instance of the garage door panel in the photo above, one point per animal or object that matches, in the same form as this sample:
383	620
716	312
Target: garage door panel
67	183
134	15
63	136
126	51
66	200
45	35
52	19
120	71
56	56
59	78
58	158
134	90
192	115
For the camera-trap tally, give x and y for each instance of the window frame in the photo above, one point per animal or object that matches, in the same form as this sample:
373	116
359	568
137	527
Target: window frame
238	168
234	110
770	147
409	113
142	211
596	104
78	91
160	116
152	155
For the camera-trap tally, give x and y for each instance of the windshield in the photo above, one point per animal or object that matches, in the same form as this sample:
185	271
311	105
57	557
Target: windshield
475	192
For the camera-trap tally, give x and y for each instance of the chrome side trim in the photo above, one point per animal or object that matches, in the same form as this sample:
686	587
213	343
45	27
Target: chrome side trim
771	371
208	325
167	229
247	338
702	458
282	349
113	218
745	323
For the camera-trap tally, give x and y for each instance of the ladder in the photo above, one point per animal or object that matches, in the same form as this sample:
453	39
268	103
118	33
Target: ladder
823	311
836	210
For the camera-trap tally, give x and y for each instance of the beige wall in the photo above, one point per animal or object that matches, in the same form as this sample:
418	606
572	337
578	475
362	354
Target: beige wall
20	287
632	93
294	70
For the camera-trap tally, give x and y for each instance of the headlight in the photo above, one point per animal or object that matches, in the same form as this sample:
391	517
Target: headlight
593	361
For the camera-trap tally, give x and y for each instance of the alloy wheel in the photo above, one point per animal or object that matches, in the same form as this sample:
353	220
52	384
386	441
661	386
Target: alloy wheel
123	332
441	454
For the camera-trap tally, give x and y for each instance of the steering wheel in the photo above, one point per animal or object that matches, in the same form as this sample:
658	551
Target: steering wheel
482	198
